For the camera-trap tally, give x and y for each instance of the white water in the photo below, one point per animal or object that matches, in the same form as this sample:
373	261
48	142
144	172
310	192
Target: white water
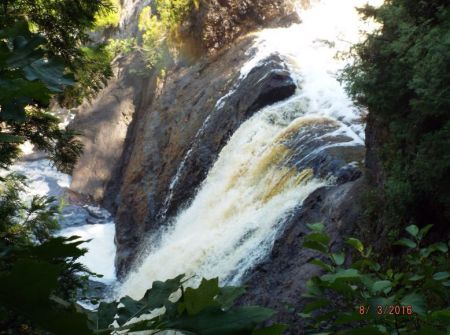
44	180
240	208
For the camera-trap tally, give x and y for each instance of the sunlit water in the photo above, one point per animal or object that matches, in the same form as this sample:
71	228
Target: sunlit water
252	188
44	180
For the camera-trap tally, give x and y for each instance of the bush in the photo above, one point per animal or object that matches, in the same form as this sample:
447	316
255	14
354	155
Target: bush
401	74
357	295
108	17
160	30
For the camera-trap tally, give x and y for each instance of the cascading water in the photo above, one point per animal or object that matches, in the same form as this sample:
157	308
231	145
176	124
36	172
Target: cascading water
262	174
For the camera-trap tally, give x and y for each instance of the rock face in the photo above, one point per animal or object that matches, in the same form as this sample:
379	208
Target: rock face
217	23
186	113
104	124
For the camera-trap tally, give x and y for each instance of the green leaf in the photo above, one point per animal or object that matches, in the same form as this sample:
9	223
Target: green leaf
215	321
342	274
356	244
441	275
381	285
277	329
339	258
413	230
443	315
416	277
318	237
424	231
317	227
196	300
323	265
416	301
317	304
315	246
228	295
105	314
406	242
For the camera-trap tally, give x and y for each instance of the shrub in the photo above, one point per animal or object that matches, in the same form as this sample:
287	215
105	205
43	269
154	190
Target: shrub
401	74
160	30
108	17
357	295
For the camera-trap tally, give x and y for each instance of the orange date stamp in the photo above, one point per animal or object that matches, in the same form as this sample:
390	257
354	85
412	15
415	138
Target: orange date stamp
386	310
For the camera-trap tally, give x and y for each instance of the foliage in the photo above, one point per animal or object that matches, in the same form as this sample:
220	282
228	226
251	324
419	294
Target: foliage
95	70
64	23
37	271
357	295
22	223
33	278
401	74
116	47
206	310
28	79
109	17
160	30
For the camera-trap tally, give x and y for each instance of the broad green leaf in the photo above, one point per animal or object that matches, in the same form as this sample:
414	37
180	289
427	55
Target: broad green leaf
406	242
159	294
416	277
105	314
356	244
413	230
317	227
339	258
315	246
228	295
318	237
323	265
215	321
424	231
441	275
342	274
416	301
195	300
277	329
443	315
381	285
318	304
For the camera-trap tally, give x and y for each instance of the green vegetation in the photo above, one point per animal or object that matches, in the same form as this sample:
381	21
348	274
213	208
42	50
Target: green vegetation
91	78
402	76
29	77
109	18
205	310
161	30
357	295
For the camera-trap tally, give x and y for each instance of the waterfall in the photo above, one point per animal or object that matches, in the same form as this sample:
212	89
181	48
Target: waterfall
262	175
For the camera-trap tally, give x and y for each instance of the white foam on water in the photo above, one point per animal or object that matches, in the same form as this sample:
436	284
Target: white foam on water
101	249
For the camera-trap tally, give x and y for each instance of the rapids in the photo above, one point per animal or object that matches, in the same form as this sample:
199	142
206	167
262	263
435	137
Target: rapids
259	179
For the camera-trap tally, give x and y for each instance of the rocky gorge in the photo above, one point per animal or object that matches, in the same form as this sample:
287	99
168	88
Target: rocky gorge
155	145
